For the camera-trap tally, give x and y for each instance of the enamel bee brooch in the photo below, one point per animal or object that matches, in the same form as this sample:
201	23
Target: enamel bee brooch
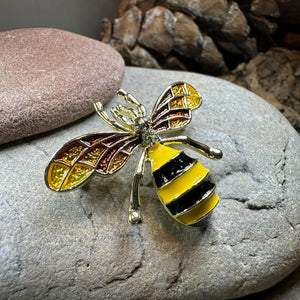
182	182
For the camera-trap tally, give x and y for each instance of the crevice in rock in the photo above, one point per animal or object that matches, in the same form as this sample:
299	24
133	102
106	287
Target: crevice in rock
253	206
174	280
237	145
290	223
241	241
126	276
243	167
281	176
38	148
52	288
19	266
88	215
283	163
247	171
14	292
241	200
95	236
119	278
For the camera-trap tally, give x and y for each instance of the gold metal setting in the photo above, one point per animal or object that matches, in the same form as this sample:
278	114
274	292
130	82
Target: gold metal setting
182	183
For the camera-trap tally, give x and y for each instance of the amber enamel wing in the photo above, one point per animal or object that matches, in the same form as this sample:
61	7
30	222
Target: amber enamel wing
182	182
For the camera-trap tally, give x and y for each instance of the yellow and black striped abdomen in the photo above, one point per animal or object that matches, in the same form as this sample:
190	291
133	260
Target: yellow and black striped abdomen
182	184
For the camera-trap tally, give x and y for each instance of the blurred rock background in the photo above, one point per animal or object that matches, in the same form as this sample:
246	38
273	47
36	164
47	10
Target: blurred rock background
254	43
78	16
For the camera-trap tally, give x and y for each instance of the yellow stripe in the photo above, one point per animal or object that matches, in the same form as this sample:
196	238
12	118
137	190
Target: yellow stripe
160	154
183	183
199	211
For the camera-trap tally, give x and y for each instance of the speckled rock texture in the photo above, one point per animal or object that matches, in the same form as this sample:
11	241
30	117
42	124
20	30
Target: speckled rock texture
51	77
78	245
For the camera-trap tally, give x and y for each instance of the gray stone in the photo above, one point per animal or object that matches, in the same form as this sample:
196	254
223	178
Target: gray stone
50	77
78	245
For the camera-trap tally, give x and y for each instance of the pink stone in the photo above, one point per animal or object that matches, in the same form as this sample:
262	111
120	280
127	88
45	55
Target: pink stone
51	77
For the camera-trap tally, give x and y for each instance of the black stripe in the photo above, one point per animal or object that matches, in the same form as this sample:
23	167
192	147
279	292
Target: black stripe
193	196
172	169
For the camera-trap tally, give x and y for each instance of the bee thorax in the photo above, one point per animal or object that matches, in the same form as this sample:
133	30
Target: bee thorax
149	138
140	124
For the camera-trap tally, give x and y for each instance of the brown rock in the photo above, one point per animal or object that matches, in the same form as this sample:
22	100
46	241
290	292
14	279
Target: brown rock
289	11
127	27
235	27
122	49
211	59
174	63
211	13
105	35
263	24
143	5
188	38
265	8
245	48
229	47
142	58
125	5
51	77
158	30
274	76
192	7
292	41
248	47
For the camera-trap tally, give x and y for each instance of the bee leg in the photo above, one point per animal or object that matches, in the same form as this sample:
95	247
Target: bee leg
104	116
202	148
134	209
131	100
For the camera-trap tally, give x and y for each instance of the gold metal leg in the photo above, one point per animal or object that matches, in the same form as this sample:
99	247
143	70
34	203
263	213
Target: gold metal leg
202	148
134	209
131	100
103	115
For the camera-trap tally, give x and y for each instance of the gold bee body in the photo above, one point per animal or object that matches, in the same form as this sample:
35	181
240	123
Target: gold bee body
182	182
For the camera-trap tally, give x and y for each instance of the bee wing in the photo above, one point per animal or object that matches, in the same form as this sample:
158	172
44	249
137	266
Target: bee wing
80	158
173	108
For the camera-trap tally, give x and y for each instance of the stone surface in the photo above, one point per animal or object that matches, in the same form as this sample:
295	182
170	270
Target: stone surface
51	77
274	75
78	245
287	289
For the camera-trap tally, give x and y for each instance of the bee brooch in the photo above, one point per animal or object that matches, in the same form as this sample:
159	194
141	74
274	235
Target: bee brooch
182	182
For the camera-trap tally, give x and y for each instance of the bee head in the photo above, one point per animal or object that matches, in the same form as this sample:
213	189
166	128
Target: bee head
141	124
